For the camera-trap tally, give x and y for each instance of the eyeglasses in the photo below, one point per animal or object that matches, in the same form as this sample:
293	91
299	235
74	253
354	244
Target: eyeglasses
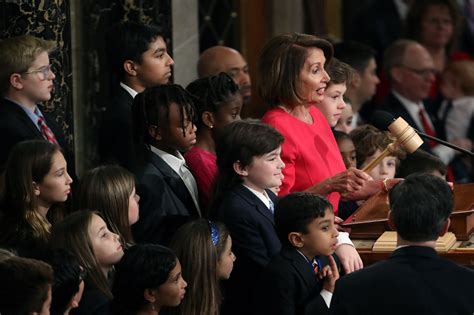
43	72
425	73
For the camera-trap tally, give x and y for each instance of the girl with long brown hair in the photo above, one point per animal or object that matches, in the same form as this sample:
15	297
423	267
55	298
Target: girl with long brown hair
34	180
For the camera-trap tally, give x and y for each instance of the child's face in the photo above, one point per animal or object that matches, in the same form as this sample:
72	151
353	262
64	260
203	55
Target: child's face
173	138
344	123
171	293
313	78
155	67
56	185
133	207
346	146
321	238
228	112
385	169
225	263
38	86
265	171
332	104
106	245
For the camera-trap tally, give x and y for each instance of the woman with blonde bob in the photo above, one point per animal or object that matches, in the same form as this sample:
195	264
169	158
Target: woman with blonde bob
110	190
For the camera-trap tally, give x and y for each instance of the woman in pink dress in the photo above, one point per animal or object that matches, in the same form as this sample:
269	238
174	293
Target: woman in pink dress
292	80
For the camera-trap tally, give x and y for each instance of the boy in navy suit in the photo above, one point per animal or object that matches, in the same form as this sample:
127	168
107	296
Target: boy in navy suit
26	80
301	278
249	164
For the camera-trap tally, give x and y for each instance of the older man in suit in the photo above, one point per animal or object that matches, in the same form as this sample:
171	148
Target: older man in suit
411	70
414	279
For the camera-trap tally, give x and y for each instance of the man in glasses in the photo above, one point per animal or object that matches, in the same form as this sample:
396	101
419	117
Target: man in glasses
26	80
411	71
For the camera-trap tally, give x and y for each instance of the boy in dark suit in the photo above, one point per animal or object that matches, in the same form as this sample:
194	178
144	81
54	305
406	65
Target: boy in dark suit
163	128
26	79
414	279
138	57
301	278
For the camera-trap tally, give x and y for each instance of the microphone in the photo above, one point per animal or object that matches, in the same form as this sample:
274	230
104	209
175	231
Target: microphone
384	121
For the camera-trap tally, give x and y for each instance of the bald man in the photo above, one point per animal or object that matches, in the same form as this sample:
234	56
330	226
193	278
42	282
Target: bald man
219	59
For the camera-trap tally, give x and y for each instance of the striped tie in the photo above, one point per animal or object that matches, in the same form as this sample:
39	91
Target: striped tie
47	133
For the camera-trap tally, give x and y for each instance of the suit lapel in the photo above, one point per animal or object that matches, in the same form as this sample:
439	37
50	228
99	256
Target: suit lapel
252	199
23	117
301	266
174	181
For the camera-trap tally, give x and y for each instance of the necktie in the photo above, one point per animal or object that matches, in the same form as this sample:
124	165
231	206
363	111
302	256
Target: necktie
47	133
271	206
427	127
190	183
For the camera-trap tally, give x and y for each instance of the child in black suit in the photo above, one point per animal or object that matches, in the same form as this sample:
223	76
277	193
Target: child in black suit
301	278
163	127
249	164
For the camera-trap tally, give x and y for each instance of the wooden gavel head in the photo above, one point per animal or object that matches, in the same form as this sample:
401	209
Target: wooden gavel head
406	136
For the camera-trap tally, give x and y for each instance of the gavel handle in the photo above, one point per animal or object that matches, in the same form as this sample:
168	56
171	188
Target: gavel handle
390	148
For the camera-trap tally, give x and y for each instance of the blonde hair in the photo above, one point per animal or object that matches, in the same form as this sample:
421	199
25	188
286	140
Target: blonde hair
463	71
107	189
17	54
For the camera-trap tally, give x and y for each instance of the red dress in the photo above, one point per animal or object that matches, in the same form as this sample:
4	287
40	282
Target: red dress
204	168
310	152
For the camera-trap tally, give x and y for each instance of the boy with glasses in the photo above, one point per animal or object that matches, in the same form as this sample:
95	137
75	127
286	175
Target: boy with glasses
26	80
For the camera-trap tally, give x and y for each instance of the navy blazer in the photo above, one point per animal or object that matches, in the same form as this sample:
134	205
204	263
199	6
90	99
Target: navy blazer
16	126
116	132
165	202
288	286
254	242
413	280
396	108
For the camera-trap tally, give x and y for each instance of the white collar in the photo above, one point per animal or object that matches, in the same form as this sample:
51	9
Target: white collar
402	8
263	197
130	91
412	108
174	161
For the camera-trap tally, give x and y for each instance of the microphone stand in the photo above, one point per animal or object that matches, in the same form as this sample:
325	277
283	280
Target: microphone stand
452	146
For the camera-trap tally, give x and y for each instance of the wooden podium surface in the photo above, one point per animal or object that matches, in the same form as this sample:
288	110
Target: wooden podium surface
370	220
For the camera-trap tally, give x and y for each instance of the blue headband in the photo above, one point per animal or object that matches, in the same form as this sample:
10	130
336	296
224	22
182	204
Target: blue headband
214	233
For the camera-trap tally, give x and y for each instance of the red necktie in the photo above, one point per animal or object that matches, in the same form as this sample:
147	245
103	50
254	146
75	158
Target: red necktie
47	133
427	127
430	132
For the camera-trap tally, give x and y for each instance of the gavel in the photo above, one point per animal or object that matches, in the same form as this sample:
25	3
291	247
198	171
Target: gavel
406	137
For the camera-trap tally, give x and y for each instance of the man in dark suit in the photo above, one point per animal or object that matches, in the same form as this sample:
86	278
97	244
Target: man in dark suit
414	279
25	81
300	278
138	56
411	71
